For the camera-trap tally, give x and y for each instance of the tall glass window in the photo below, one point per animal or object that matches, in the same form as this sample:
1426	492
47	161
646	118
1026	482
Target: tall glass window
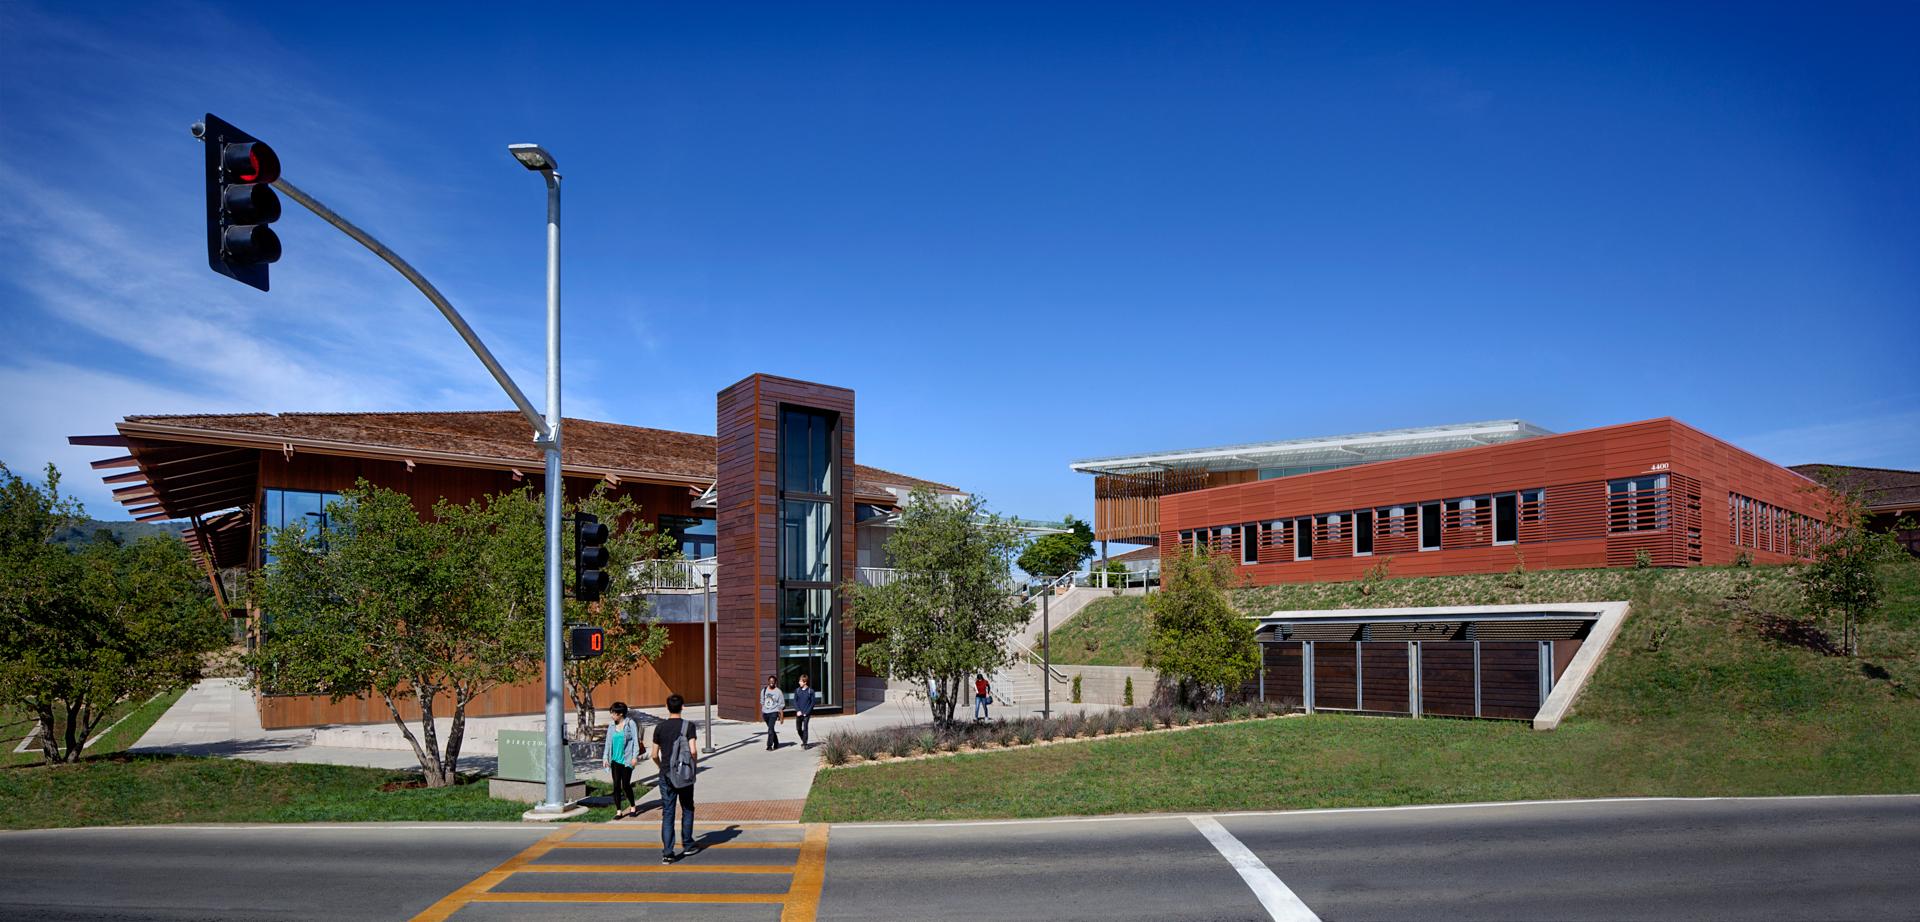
808	637
806	455
806	540
1430	527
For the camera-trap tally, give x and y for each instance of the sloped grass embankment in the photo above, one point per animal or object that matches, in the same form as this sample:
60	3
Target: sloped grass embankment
1717	685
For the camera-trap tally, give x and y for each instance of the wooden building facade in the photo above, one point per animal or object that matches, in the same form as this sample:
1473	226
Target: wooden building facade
236	476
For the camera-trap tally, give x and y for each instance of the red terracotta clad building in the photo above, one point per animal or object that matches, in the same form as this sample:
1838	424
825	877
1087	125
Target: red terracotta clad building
1656	492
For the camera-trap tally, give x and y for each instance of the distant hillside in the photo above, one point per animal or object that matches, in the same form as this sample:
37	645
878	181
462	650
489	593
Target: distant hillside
126	532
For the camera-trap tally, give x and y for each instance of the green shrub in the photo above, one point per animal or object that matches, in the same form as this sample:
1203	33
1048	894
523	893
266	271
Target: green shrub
1126	694
1076	688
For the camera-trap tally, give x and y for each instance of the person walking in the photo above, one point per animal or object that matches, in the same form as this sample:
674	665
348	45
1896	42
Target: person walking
773	710
676	750
982	696
804	698
623	753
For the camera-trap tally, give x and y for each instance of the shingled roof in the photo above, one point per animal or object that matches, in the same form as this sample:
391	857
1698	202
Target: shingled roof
1883	488
500	435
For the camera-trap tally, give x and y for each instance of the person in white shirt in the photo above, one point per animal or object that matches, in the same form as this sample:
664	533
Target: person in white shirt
773	710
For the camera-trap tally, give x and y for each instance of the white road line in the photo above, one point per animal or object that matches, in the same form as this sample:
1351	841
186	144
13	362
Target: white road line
1322	811
1280	902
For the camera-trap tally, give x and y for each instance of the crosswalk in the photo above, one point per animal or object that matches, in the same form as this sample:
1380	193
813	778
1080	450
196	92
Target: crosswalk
777	867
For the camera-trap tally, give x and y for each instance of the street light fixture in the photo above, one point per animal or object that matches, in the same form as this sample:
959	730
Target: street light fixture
534	157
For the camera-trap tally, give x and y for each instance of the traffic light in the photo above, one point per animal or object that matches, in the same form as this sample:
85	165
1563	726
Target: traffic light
240	202
589	558
585	641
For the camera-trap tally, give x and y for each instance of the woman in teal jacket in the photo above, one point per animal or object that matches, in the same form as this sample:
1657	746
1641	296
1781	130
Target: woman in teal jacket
623	753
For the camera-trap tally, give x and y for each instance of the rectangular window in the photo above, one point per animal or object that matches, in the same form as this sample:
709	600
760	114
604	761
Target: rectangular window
695	538
1533	506
1363	532
1430	527
1200	539
307	510
806	452
806	541
1303	539
1506	518
1249	545
1637	504
1332	526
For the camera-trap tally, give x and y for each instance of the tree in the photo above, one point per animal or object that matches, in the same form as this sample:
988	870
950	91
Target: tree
1844	575
948	614
83	630
411	610
1196	639
1053	556
632	637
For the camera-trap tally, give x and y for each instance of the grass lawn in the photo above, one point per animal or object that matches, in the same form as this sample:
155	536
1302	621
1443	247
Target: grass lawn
139	790
1715	686
1108	632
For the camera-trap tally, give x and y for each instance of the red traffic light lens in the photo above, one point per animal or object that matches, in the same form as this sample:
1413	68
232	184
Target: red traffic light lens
249	161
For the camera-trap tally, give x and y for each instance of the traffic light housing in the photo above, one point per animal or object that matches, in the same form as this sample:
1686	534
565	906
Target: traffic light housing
585	641
241	203
590	577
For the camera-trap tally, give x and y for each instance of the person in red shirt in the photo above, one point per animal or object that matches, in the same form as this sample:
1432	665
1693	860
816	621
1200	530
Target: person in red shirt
982	696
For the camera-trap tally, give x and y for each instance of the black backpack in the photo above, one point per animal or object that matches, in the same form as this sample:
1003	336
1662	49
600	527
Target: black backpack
679	770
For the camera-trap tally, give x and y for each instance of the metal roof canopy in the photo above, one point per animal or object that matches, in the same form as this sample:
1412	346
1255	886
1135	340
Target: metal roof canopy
1337	450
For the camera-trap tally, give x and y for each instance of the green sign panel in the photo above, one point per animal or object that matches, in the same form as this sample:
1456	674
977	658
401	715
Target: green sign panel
523	756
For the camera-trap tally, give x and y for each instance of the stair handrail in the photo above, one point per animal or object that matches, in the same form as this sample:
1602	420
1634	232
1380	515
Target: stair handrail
1033	659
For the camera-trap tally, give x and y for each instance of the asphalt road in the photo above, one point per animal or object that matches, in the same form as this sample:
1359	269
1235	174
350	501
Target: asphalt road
1755	859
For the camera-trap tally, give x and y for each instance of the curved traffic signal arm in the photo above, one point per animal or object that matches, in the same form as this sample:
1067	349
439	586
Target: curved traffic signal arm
590	577
241	202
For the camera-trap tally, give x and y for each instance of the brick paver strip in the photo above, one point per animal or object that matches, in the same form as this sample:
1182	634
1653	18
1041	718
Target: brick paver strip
732	810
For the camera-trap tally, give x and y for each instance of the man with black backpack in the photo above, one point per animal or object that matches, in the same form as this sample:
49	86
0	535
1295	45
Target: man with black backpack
676	749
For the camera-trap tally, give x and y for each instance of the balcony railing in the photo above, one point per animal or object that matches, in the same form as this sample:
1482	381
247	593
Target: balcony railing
875	576
677	575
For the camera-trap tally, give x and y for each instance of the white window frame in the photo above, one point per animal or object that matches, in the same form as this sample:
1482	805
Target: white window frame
1297	532
1373	519
1420	526
1493	507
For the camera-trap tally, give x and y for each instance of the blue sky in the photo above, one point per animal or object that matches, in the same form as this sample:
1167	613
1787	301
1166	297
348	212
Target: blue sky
1024	233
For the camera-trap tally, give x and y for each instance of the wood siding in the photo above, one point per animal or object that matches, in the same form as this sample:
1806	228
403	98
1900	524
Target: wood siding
677	671
747	423
1576	524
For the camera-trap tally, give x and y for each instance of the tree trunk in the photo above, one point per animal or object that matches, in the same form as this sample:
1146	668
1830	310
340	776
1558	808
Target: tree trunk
583	714
426	764
49	743
458	732
74	746
430	735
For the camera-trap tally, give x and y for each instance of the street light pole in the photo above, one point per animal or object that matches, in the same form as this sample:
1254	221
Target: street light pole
533	157
1046	657
706	653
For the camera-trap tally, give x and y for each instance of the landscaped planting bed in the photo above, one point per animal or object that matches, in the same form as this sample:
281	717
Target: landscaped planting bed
847	747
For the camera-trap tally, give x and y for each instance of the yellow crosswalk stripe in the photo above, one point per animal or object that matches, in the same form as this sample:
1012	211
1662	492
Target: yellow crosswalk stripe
800	902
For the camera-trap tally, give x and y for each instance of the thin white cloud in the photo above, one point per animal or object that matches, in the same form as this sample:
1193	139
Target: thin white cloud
1884	440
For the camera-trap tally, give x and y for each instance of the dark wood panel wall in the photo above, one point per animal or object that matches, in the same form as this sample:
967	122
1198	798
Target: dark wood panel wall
747	423
1490	678
1575	524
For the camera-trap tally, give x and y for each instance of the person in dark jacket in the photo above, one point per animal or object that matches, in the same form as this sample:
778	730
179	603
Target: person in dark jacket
804	698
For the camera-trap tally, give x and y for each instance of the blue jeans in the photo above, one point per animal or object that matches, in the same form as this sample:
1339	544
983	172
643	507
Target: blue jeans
669	796
980	707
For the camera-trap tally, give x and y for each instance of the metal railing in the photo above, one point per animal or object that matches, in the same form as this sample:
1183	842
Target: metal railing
875	576
1105	579
677	575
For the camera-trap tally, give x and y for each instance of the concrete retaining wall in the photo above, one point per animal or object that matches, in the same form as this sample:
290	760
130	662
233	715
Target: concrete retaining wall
1106	684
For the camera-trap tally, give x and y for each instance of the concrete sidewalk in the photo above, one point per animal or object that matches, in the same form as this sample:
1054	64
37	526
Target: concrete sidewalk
217	717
